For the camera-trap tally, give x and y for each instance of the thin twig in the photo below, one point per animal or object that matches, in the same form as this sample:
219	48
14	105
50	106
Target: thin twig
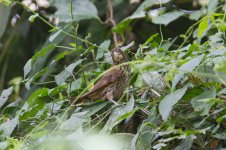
110	19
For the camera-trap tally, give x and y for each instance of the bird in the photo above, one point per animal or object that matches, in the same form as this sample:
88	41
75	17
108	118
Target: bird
113	83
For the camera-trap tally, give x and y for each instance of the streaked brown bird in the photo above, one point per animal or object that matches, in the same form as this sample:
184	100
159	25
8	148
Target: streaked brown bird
113	83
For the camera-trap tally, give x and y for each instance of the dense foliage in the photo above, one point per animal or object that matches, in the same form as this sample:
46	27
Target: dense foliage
176	97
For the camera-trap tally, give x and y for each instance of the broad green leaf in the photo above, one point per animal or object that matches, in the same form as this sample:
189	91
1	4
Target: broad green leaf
167	103
39	134
75	121
60	31
220	135
61	77
195	15
150	39
41	53
7	128
5	95
27	67
212	6
4	145
36	76
81	9
57	90
167	18
204	101
221	65
139	13
34	104
94	108
103	48
203	25
188	66
4	11
117	113
186	144
61	55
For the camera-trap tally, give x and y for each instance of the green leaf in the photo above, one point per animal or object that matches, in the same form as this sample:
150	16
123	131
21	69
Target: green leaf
94	108
203	25
27	67
81	9
103	48
61	55
4	11
220	66
167	18
36	76
117	113
61	77
203	102
34	104
7	128
167	103
75	121
42	52
60	31
139	13
188	66
4	145
5	95
220	135
6	2
150	39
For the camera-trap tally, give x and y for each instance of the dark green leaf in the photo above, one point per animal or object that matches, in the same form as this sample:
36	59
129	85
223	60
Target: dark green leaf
204	101
167	103
34	104
81	9
117	113
188	66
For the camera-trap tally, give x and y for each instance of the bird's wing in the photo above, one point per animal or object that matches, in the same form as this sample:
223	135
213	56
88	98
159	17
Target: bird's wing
110	77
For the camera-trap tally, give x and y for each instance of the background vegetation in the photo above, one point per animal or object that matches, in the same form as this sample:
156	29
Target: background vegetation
52	51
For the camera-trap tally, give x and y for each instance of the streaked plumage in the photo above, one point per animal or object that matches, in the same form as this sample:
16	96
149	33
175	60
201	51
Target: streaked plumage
112	84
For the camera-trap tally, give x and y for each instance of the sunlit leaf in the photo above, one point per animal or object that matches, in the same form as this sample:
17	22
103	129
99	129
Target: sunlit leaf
167	18
5	95
202	27
60	78
8	127
62	55
188	66
103	48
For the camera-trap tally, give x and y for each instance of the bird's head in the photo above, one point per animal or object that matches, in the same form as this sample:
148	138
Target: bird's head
118	56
